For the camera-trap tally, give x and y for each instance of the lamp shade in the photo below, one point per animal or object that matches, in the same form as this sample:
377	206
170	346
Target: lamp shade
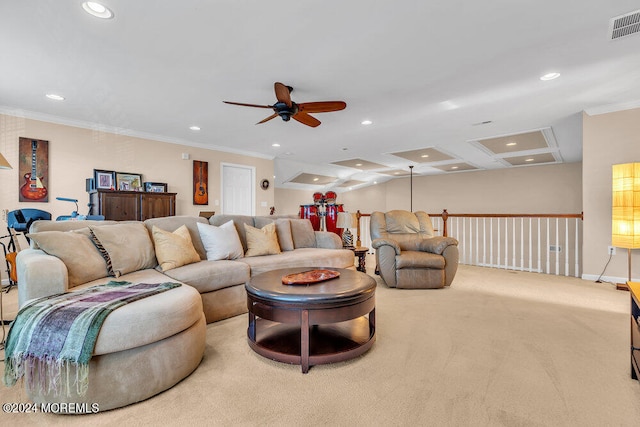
4	164
625	209
345	220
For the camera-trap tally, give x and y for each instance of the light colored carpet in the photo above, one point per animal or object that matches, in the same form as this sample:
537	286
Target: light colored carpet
498	348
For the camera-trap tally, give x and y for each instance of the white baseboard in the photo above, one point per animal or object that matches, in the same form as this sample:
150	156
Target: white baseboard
612	279
509	267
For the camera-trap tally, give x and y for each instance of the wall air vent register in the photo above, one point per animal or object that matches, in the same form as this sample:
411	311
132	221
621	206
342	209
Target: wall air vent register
624	25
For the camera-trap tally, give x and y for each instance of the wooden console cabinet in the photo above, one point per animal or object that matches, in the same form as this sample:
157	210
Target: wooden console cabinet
634	290
132	205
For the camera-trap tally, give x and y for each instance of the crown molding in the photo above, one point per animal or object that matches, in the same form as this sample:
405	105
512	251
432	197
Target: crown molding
33	115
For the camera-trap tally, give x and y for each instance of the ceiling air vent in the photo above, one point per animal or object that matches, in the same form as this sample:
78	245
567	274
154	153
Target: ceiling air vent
624	25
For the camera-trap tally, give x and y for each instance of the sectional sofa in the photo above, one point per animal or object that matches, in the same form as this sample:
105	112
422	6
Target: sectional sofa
220	283
148	345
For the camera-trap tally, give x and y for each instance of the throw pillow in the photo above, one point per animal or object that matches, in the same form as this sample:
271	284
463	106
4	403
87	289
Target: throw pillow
262	241
221	242
283	230
76	251
129	246
175	249
303	233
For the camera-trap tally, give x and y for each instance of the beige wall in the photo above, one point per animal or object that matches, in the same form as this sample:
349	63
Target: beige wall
608	139
534	189
74	153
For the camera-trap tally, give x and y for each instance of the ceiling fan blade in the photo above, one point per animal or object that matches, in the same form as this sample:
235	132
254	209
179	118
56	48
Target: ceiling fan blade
306	119
282	93
273	116
322	107
247	105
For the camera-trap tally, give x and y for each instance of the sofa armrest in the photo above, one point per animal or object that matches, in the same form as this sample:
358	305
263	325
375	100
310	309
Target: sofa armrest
40	275
378	243
437	245
328	240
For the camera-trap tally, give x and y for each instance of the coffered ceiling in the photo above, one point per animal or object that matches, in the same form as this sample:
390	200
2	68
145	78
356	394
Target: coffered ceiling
447	86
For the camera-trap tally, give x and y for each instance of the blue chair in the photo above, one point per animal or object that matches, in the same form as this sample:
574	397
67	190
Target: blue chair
21	219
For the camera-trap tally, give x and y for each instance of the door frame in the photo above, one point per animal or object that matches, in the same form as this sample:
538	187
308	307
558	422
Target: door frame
253	184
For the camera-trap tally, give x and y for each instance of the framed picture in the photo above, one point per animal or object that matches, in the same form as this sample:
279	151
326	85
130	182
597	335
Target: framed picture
34	167
155	187
104	180
200	182
126	181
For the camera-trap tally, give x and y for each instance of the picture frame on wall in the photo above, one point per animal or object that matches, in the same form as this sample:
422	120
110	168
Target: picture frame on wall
34	167
155	187
104	179
200	182
126	181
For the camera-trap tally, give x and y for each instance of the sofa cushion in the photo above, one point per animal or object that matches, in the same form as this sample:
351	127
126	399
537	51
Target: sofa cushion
147	320
399	221
261	241
221	242
303	233
76	250
305	257
174	249
129	246
417	259
283	230
208	276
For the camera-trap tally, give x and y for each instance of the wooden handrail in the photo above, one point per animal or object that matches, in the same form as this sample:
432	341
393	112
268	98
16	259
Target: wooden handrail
446	215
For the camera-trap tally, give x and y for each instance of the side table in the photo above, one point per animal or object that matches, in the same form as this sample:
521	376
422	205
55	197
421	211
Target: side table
361	253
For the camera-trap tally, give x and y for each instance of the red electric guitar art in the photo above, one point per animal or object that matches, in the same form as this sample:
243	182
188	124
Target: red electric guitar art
33	189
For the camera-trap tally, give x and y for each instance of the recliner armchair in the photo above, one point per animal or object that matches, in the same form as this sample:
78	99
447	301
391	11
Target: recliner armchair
409	254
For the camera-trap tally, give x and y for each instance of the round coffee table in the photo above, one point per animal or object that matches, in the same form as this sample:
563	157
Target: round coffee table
313	324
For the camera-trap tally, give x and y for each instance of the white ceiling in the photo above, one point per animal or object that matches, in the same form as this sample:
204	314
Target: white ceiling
425	73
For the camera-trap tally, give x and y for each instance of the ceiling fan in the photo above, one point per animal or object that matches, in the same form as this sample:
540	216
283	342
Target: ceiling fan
287	109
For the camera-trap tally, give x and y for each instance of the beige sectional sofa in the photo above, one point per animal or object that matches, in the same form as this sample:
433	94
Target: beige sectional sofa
220	283
148	345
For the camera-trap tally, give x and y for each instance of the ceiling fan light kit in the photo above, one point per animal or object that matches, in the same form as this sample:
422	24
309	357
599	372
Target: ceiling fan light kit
287	109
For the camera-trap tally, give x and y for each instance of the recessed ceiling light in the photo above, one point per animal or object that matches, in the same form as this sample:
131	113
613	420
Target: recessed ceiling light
396	173
98	10
424	156
358	164
55	97
366	122
315	179
375	182
454	167
275	144
511	144
529	160
195	128
550	76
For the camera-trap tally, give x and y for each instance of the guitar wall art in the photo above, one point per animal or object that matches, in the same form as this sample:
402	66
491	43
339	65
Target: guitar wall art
33	166
200	182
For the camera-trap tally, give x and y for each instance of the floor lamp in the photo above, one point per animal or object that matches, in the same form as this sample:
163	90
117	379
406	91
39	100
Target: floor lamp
625	208
4	164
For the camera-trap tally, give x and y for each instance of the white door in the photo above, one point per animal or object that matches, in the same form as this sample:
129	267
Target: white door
238	190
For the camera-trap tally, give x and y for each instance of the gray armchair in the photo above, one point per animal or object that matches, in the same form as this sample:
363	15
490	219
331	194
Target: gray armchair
408	254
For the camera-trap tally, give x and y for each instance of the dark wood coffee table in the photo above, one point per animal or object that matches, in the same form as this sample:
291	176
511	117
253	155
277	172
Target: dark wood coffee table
313	324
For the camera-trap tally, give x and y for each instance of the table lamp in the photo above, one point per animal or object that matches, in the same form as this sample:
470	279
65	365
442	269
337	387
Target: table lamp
4	164
346	221
625	208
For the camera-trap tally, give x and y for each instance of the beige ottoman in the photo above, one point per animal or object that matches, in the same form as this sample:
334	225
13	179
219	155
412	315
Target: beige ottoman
143	348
